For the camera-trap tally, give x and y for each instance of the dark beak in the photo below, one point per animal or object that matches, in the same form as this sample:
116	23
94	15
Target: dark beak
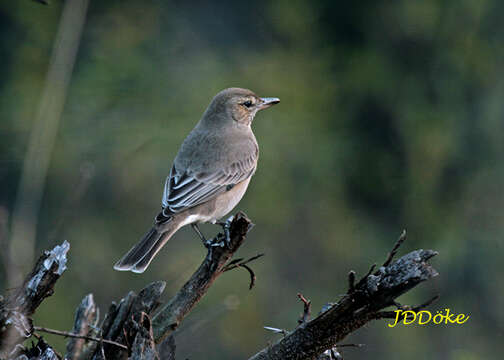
267	102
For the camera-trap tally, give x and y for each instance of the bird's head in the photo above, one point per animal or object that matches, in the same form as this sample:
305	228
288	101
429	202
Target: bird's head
238	105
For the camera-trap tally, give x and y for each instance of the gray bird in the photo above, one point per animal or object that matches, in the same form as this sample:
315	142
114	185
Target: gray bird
210	173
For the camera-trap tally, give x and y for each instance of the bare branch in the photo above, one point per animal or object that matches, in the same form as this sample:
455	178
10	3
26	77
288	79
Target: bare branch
214	264
276	331
398	244
238	262
77	336
351	281
15	311
361	304
306	309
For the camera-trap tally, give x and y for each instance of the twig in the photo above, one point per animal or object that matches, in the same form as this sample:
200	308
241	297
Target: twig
398	243
237	263
306	309
252	276
364	279
77	336
351	281
370	271
276	330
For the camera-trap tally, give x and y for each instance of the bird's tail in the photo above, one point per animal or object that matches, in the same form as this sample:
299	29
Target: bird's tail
140	255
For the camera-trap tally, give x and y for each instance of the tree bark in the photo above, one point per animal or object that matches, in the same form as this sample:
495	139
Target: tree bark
16	310
361	304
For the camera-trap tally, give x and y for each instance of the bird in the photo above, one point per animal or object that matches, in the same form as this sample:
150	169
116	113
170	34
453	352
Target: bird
209	175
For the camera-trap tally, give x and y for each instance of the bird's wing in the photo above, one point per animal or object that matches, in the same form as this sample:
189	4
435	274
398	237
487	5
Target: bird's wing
190	188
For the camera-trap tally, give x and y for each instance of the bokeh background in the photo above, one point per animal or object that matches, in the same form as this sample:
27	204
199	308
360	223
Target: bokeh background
392	117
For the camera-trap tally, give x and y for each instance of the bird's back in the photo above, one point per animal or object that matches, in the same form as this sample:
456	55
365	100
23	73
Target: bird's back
209	151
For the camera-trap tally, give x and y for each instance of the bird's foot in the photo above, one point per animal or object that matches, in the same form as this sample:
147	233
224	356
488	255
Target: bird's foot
226	225
221	240
216	243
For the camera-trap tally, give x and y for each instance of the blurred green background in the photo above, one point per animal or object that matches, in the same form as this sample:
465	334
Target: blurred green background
392	117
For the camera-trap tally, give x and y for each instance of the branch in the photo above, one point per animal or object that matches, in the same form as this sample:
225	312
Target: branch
306	309
396	247
77	336
361	304
215	263
15	311
243	264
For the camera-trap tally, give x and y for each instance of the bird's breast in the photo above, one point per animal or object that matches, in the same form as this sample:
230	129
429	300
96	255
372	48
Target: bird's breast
226	201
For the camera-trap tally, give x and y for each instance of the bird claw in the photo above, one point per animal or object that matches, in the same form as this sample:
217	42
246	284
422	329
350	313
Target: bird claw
221	240
218	244
226	226
209	244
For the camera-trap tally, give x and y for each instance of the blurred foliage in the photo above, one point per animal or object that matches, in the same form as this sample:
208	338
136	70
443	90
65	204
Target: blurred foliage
391	118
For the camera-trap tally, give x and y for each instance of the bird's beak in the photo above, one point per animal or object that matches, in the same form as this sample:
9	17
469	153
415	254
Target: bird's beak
267	102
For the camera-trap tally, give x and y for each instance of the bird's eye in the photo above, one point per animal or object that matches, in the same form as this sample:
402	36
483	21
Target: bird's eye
247	103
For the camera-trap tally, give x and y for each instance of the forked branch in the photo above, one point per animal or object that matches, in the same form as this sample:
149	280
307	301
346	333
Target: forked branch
362	303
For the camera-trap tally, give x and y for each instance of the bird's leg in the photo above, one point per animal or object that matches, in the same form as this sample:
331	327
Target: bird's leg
207	243
196	228
226	225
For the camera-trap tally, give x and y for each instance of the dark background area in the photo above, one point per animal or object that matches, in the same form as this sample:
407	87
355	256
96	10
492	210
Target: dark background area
391	117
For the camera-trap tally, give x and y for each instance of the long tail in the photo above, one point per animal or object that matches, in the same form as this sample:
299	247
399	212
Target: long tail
140	255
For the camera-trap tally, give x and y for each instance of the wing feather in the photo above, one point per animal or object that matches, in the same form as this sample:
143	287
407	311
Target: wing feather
190	188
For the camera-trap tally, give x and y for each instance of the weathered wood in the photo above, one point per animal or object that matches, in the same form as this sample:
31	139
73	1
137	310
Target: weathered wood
16	310
123	322
143	346
86	321
39	351
361	304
